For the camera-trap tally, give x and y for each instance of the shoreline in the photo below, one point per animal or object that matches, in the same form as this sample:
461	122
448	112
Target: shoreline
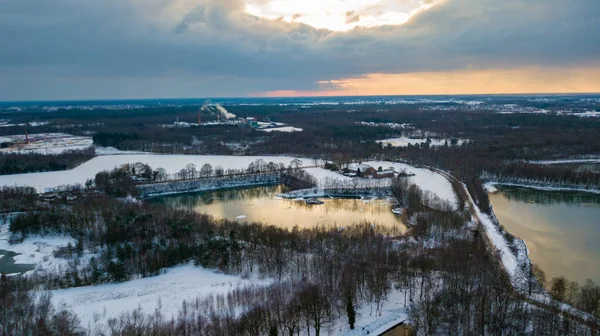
490	187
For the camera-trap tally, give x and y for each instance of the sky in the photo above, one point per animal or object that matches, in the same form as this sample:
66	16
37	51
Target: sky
112	49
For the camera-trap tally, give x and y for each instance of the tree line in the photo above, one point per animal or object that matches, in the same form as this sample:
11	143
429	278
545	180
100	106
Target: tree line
322	275
21	163
123	181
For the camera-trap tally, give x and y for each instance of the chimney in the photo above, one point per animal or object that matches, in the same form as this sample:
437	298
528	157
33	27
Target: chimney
26	136
199	119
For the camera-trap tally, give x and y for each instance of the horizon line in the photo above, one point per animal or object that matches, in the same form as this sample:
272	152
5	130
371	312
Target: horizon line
308	96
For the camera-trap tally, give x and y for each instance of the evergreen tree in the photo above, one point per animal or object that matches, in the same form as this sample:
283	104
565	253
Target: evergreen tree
350	311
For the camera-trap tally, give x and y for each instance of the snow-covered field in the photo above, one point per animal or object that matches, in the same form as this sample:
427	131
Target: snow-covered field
165	292
46	143
282	129
323	175
405	142
94	305
426	179
172	163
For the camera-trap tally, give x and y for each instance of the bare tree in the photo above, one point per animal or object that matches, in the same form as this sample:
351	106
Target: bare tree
315	307
296	163
206	170
191	170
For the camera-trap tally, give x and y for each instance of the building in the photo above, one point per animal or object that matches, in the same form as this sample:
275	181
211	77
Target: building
361	170
367	172
401	329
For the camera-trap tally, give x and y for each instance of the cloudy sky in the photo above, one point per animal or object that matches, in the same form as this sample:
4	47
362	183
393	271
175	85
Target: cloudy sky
75	49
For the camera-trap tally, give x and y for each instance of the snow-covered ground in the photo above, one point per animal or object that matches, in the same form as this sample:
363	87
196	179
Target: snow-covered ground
405	142
6	123
323	175
509	261
490	187
45	143
267	124
395	126
426	179
586	114
566	161
35	249
165	292
491	184
282	129
368	323
172	163
94	305
113	151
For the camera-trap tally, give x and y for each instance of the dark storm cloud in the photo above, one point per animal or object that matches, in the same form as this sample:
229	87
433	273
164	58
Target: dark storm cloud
73	48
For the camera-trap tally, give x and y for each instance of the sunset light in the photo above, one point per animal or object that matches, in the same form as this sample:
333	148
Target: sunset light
338	15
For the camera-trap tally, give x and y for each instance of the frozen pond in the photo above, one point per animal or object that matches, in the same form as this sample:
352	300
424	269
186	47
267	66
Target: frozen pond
8	266
261	204
562	230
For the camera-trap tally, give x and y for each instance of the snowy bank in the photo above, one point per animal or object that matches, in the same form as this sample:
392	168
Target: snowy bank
287	129
565	161
208	184
492	231
492	185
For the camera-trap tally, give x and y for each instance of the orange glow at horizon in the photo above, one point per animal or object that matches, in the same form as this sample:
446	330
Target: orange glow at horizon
514	81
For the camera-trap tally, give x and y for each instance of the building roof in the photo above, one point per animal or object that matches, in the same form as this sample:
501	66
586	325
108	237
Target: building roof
362	167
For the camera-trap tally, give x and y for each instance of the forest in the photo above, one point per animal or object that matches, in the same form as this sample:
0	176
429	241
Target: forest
498	146
20	163
321	274
445	269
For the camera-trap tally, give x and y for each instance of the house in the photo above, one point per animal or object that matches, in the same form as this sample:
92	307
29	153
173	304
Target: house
367	173
362	170
401	329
